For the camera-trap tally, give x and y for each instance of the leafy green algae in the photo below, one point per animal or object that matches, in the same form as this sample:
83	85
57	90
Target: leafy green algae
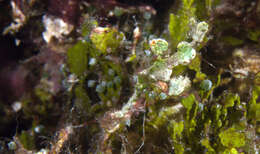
188	103
230	100
254	106
176	133
102	42
231	138
179	23
82	99
206	143
77	57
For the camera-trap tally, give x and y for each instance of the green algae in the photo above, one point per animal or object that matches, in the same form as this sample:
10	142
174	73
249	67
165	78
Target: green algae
176	129
188	103
107	40
254	106
179	23
82	99
230	100
77	57
232	139
207	145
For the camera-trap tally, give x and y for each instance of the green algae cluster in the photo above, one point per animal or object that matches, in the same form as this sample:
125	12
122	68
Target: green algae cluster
165	103
99	76
194	122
